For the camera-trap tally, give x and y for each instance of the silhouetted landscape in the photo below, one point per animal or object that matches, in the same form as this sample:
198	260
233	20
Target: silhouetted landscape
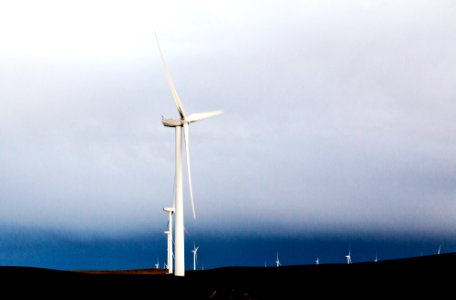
418	276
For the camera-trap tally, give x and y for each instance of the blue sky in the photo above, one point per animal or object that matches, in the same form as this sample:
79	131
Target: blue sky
339	117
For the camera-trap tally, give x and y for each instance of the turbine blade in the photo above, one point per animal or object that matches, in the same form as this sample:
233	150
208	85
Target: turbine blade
204	115
186	137
172	87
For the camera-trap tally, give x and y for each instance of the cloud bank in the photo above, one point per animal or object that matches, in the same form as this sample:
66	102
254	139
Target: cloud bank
337	116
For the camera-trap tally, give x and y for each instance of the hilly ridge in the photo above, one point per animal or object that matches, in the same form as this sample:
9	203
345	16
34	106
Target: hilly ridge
418	276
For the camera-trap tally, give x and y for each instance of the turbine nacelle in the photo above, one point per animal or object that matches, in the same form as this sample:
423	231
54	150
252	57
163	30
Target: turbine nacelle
169	209
172	122
191	119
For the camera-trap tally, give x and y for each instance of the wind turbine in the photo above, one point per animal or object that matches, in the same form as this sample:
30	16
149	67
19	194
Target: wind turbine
169	233
317	262
278	264
440	249
157	265
195	258
179	124
349	258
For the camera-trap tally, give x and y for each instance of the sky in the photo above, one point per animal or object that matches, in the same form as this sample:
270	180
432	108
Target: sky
339	120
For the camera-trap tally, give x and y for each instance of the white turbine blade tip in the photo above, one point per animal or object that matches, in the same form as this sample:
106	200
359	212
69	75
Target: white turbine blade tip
170	80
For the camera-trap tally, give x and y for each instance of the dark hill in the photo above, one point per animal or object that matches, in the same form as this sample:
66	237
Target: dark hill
427	276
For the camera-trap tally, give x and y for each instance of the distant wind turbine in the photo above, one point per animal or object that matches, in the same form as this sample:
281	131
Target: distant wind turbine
376	258
157	265
440	249
182	123
169	233
317	261
195	258
348	257
278	264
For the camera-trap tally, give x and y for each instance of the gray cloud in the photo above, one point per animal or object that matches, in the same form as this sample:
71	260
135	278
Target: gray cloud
336	116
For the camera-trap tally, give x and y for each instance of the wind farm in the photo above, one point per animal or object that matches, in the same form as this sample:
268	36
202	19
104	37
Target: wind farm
235	282
334	149
207	282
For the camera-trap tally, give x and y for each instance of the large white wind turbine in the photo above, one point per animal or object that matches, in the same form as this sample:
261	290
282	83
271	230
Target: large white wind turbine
169	234
195	258
178	124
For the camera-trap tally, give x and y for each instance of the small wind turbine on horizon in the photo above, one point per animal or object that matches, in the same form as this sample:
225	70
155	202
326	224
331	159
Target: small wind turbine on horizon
182	123
439	250
348	257
317	261
169	234
157	265
278	264
195	258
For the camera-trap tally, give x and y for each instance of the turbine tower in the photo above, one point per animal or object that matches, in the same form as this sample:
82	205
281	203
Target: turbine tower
169	233
349	258
278	264
179	124
195	258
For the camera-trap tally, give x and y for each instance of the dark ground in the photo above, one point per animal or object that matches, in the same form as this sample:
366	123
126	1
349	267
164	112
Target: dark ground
428	277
